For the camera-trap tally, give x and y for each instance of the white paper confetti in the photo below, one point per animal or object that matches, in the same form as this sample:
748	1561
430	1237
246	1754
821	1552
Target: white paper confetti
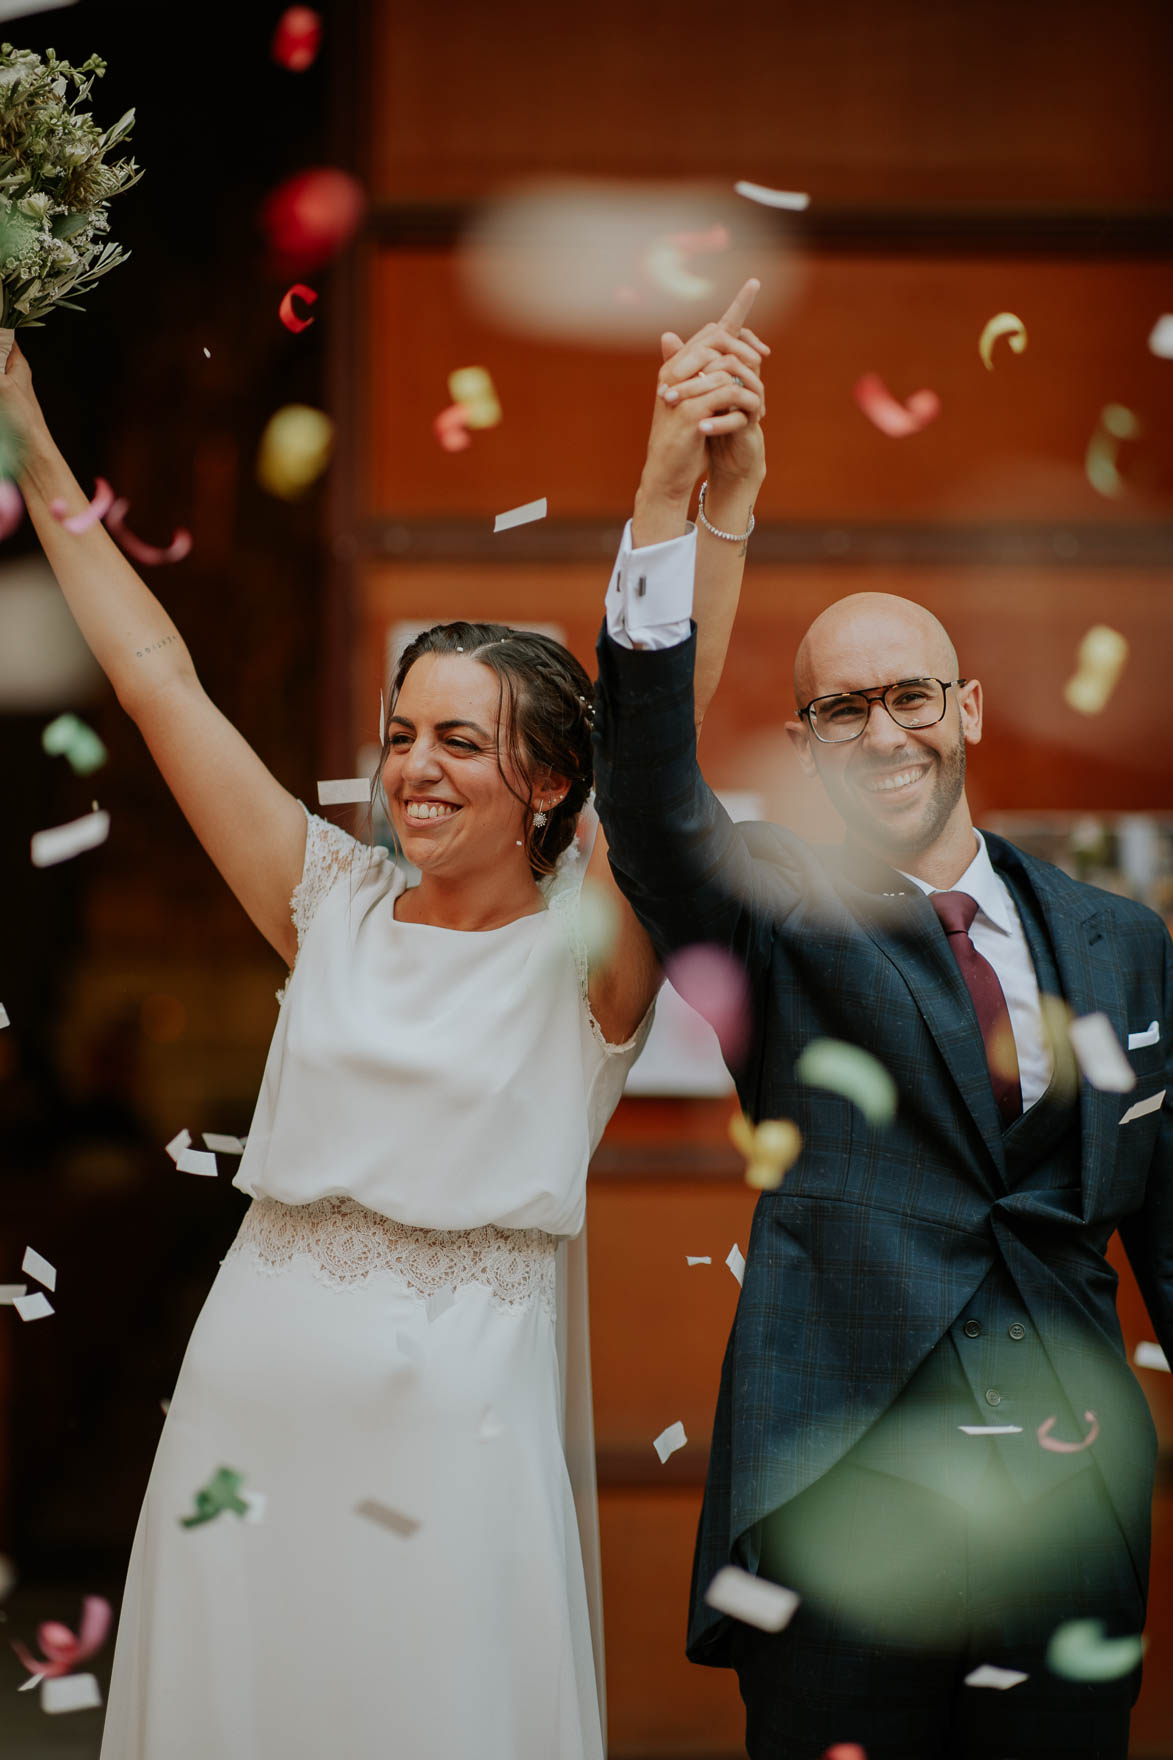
439	1303
990	1429
70	1692
736	1261
1148	1355
25	8
752	1600
178	1144
698	1258
350	790
1099	1054
60	842
794	199
1161	337
387	1517
4	1020
520	516
197	1161
222	1145
989	1676
1150	1035
10	1291
669	1440
34	1307
33	1681
1143	1107
39	1268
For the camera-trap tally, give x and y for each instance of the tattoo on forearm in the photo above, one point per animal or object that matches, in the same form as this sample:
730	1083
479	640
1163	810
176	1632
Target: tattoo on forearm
153	646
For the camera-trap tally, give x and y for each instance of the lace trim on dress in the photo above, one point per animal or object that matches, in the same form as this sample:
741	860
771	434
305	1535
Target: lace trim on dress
563	894
349	1244
329	853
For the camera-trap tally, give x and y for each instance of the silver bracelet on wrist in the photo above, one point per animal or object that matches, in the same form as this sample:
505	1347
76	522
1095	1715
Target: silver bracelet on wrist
732	537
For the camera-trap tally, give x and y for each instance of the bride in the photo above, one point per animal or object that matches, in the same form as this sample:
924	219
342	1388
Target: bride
360	1534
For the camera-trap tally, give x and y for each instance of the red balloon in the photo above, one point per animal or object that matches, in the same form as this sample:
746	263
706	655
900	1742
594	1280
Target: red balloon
310	216
297	38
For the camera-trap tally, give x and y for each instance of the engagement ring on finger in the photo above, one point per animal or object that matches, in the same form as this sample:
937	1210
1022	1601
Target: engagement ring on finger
738	381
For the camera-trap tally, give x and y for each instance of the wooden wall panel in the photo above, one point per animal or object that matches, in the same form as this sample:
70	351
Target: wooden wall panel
1008	444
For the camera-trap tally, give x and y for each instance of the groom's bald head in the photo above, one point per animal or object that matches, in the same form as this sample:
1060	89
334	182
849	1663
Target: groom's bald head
870	639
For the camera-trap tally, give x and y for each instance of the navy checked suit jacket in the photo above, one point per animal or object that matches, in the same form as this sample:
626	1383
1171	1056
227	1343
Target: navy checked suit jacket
860	1262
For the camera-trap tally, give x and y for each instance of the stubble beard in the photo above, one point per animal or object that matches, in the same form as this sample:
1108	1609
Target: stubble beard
910	840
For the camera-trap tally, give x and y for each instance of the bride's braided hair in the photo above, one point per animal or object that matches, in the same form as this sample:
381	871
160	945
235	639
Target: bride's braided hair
544	710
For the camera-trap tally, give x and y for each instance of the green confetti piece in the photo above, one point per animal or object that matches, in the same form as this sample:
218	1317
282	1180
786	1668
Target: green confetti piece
69	737
221	1493
849	1070
1079	1651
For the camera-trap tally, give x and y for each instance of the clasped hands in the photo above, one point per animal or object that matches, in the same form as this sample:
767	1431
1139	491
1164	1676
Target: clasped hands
710	402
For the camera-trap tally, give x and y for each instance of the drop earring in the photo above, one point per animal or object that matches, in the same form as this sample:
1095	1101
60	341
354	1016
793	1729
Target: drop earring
540	816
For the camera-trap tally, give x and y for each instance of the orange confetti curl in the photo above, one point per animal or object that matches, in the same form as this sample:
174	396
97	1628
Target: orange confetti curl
147	554
892	418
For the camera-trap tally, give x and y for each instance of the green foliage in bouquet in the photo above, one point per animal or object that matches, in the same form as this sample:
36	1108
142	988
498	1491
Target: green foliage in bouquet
55	185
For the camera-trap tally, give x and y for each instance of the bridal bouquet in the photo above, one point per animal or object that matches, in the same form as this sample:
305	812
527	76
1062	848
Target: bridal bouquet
55	185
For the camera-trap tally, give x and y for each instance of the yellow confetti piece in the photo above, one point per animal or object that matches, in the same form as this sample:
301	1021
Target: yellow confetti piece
1102	655
770	1148
472	389
295	450
1001	324
1115	424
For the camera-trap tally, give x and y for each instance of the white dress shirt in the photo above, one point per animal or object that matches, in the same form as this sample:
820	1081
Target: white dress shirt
649	605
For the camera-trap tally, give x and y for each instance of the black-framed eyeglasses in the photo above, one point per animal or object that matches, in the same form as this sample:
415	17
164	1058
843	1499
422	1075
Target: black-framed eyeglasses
913	702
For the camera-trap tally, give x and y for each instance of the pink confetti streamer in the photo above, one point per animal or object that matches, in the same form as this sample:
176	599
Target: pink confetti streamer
310	216
890	417
11	507
714	984
147	554
97	510
63	1650
451	430
1047	1441
846	1751
286	313
297	38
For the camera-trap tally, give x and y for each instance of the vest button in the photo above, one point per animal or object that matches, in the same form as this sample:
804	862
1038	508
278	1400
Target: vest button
1018	1330
972	1329
993	1397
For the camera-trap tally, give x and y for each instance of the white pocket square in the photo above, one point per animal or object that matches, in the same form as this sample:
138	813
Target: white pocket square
1152	1104
1150	1036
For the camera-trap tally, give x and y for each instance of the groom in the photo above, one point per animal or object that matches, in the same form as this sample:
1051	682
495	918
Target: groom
926	1423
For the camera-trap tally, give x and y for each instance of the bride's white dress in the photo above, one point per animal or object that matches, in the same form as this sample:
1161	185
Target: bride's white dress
393	1356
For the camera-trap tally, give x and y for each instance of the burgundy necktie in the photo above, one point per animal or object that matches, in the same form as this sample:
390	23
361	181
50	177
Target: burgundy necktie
957	911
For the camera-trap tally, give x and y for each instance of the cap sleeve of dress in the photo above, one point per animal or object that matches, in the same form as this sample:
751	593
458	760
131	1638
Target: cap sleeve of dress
329	853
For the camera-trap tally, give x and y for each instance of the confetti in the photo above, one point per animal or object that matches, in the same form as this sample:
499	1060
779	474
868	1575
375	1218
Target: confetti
770	1148
286	312
472	388
1001	324
1143	1107
892	418
1150	1035
1149	1355
74	1692
1115	424
69	737
773	198
1001	1678
222	1492
851	1071
223	1145
294	451
1161	338
387	1517
39	1268
714	984
751	1599
297	39
11	507
665	264
347	790
520	516
846	1751
91	515
34	1307
451	429
197	1161
669	1440
698	1258
439	1303
24	8
312	215
30	1684
4	1020
1100	1055
10	1291
990	1429
1053	1444
735	1260
148	554
1099	663
178	1144
207	354
64	1649
1080	1650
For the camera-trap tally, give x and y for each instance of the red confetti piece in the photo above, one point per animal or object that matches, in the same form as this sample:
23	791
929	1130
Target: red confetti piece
148	554
297	38
97	510
715	985
63	1650
889	416
11	507
846	1751
1052	1443
286	312
451	428
310	216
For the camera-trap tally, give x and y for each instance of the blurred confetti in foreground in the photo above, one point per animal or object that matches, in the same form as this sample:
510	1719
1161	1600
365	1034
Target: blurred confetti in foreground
609	262
1080	1650
715	986
11	507
999	1678
150	555
1001	324
851	1071
294	451
1149	1355
374	1511
1161	338
297	39
62	842
472	388
312	215
891	417
70	738
1115	424
451	428
4	1020
770	1149
1100	1054
1099	663
751	1599
95	510
599	922
846	1751
794	199
222	1492
1054	1445
63	1649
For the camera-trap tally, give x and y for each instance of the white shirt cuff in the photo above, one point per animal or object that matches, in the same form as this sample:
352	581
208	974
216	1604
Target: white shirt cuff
649	600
